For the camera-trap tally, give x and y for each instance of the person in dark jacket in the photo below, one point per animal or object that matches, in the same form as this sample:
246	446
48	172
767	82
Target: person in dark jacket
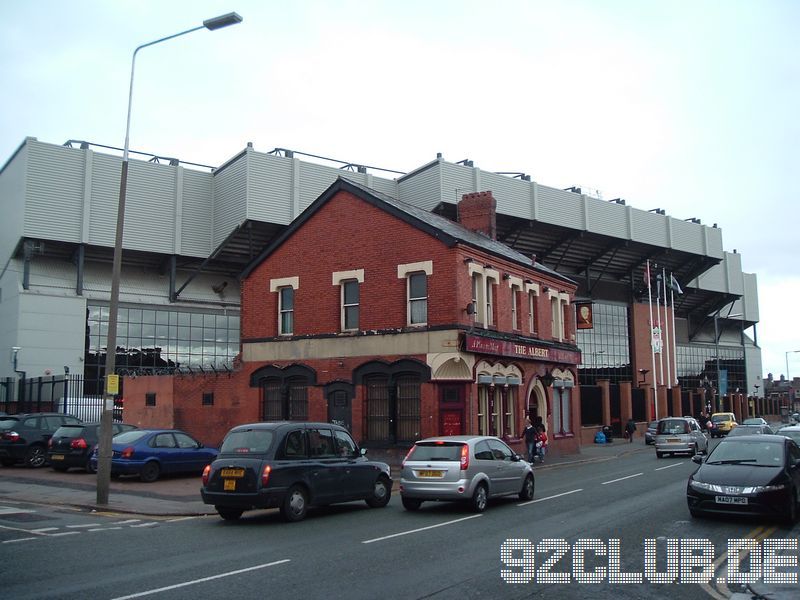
630	429
531	437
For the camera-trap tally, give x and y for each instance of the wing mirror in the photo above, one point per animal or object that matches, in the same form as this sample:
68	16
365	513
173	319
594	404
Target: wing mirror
698	458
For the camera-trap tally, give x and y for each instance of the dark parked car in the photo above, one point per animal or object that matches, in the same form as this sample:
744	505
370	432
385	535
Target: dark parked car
650	434
149	453
292	466
23	438
748	475
72	445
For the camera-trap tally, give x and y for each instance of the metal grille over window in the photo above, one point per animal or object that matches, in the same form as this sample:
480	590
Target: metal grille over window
378	409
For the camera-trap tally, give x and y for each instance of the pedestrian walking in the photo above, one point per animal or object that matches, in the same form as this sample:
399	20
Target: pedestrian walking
630	429
530	435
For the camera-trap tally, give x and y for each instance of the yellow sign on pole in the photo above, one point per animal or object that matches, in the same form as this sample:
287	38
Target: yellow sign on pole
112	384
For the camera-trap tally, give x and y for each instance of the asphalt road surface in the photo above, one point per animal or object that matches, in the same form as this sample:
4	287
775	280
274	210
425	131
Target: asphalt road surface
351	551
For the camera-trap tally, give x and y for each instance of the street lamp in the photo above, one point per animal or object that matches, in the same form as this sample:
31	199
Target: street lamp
787	363
104	448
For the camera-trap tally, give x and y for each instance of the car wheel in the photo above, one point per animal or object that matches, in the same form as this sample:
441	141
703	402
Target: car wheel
35	457
295	504
659	454
381	493
228	513
480	498
150	472
411	504
527	489
89	468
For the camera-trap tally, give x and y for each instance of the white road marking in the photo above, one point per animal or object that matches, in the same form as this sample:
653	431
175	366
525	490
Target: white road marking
145	525
44	529
10	510
63	533
670	466
19	540
549	497
88	525
394	535
127	521
621	478
202	580
104	528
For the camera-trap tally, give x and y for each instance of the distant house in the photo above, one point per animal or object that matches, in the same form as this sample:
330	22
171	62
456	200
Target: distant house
395	322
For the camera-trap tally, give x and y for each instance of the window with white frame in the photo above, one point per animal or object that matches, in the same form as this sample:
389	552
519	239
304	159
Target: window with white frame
349	297
285	288
416	276
532	291
350	304
558	306
477	306
483	410
515	283
286	311
491	277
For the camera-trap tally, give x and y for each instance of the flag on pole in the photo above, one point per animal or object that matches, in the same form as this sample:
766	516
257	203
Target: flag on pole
673	283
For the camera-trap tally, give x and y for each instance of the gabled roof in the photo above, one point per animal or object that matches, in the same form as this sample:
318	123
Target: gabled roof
448	232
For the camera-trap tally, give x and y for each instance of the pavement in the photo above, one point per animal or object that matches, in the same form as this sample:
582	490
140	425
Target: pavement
180	496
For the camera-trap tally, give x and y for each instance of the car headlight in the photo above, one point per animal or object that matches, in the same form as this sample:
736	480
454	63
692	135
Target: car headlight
769	488
706	487
736	489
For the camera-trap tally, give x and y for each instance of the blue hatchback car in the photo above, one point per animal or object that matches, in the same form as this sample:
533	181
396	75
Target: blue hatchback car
149	453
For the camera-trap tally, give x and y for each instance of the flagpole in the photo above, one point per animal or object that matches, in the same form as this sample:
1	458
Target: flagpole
673	282
652	347
660	330
666	329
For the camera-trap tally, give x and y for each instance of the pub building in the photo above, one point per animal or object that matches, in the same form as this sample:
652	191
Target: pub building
394	321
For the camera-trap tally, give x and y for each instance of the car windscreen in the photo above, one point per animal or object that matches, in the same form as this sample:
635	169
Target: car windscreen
446	451
721	418
673	426
6	424
746	430
68	431
248	441
129	437
747	452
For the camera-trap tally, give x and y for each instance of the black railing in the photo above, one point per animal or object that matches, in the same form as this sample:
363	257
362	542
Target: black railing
58	393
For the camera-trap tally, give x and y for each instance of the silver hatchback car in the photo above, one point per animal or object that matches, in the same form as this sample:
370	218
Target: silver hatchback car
680	434
463	467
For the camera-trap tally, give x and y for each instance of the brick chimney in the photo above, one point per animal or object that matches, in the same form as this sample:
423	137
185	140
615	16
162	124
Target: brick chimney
478	212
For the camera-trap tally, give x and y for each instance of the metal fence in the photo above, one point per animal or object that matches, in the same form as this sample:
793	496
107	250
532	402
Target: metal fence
57	393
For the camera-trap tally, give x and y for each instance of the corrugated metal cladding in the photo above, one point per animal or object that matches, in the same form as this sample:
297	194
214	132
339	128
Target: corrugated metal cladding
315	179
558	207
513	196
230	200
713	241
12	201
385	186
649	228
607	218
269	188
733	270
750	299
687	236
105	199
54	202
714	279
150	207
442	182
198	210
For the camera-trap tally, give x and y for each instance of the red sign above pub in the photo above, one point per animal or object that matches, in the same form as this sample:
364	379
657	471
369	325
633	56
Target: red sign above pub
539	352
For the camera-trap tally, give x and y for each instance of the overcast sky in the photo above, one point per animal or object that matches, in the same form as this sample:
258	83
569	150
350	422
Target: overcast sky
686	105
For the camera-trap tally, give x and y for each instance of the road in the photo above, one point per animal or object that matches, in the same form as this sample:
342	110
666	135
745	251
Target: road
442	551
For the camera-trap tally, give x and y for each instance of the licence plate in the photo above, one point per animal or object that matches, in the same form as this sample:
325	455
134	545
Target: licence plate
673	440
231	473
730	500
230	485
57	457
431	473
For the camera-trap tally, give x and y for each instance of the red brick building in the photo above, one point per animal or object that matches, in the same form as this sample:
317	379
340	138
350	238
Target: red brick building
394	321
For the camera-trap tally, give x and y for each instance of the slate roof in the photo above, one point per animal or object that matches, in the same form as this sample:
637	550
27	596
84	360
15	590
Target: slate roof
442	228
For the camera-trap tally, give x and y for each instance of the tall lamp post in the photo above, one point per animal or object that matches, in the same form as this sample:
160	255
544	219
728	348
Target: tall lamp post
112	382
787	353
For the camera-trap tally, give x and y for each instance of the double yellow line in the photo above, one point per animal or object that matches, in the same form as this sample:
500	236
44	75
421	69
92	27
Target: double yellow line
722	592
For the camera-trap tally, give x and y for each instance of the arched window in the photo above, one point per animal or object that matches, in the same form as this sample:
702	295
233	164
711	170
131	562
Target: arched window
284	392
